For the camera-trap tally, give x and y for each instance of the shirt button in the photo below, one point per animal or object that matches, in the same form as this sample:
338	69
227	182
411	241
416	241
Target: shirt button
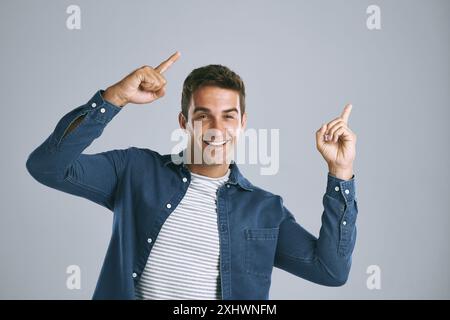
102	110
228	185
134	274
184	179
347	191
336	188
93	105
168	206
149	240
344	222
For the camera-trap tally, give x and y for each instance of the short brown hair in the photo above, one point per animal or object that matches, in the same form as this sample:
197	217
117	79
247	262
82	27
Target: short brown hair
212	75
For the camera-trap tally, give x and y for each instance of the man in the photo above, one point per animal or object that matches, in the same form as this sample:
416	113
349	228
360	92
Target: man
186	229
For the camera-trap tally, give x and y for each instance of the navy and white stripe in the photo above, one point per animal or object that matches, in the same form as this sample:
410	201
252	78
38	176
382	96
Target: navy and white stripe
184	261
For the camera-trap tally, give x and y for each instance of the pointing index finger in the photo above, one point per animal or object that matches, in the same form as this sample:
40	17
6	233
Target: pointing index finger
346	113
166	64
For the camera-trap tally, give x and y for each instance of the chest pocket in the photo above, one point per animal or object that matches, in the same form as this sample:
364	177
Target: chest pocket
260	246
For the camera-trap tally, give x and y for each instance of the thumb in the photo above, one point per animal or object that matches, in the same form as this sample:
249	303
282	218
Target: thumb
161	92
320	133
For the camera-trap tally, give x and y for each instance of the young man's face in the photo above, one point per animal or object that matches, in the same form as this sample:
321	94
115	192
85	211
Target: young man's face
214	124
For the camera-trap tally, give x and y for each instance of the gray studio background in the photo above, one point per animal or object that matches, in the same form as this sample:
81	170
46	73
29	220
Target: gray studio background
301	61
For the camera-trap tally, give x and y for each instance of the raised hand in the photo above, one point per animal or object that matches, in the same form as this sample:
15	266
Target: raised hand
337	144
143	85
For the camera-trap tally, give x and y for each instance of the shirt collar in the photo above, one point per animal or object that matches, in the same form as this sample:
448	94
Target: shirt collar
235	175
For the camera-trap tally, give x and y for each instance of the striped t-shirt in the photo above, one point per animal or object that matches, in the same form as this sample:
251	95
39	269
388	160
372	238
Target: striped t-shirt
184	261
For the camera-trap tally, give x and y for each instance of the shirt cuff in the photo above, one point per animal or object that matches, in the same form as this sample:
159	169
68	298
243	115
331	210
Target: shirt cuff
102	110
342	190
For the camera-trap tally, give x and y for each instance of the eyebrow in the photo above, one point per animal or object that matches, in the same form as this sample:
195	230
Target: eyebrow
200	108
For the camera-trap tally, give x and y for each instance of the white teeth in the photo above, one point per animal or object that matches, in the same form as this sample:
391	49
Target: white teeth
216	143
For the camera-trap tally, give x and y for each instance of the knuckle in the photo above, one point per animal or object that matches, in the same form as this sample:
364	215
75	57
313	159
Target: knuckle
147	70
141	72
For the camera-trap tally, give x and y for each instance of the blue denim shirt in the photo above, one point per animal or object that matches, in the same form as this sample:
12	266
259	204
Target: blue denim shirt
143	187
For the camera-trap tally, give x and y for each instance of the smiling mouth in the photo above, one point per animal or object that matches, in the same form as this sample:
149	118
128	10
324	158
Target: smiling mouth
216	143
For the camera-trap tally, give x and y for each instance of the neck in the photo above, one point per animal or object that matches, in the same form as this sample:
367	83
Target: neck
212	171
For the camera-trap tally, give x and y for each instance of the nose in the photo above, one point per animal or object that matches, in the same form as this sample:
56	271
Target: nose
217	130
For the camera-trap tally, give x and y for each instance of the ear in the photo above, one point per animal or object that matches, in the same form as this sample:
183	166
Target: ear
182	120
244	121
